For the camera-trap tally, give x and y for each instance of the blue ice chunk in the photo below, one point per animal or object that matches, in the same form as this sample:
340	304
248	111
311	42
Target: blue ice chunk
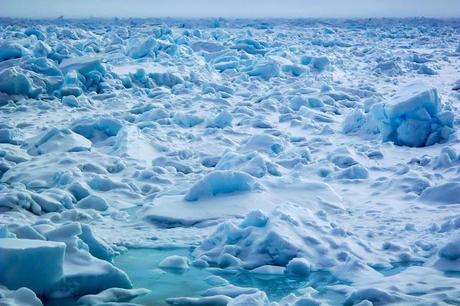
4	233
41	49
97	247
70	100
353	121
254	218
222	66
42	65
207	46
71	91
297	102
295	70
28	232
143	49
451	251
446	118
7	136
263	143
93	202
424	69
220	182
353	173
265	70
187	120
219	88
315	102
83	65
79	191
34	31
306	59
97	129
252	163
390	68
412	98
167	79
72	85
413	117
251	46
15	81
413	133
67	33
221	121
9	50
320	63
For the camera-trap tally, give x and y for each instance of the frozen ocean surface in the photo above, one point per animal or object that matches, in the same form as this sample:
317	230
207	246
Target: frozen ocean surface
229	162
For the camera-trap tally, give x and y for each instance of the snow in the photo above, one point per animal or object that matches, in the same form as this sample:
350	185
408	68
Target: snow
298	266
229	162
279	241
53	140
97	130
61	265
447	193
111	295
174	262
93	202
83	65
220	182
21	297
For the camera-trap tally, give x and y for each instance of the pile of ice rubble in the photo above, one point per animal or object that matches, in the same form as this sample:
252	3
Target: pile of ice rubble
261	154
414	117
58	259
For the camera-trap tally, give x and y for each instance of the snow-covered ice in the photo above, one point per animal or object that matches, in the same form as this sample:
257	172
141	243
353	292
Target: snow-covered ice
229	162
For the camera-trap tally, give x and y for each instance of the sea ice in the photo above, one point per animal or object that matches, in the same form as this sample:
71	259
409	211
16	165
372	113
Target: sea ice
221	182
35	264
413	117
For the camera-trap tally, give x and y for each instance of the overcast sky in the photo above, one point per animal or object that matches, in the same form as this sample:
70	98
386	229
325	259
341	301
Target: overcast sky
229	8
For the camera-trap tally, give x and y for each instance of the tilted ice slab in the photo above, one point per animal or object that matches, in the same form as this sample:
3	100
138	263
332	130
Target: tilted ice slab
58	261
57	140
35	264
